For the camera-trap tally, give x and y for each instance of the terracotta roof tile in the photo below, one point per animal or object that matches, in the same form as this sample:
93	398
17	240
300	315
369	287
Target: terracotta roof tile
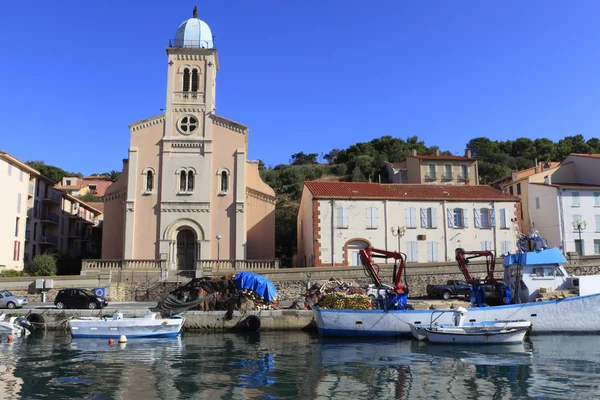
461	158
398	164
403	191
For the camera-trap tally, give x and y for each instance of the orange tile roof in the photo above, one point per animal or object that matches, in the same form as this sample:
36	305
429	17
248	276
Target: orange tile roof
457	158
398	164
403	191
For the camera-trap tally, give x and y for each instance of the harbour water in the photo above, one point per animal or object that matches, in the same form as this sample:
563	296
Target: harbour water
296	366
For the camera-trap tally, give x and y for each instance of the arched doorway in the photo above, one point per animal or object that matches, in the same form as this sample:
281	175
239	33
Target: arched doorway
186	250
352	251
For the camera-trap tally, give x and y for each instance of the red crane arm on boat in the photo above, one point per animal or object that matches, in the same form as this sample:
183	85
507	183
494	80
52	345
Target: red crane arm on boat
367	255
463	258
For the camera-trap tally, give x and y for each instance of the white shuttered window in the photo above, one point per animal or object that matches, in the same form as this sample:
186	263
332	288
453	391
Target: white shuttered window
342	217
411	217
432	251
372	217
411	253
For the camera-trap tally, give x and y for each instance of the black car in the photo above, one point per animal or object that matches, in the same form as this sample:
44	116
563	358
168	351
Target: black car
79	298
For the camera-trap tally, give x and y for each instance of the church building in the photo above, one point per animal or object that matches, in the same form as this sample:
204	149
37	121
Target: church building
187	192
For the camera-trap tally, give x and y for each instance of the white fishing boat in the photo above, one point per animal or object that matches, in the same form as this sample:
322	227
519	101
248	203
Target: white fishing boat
15	326
525	274
419	331
150	325
483	335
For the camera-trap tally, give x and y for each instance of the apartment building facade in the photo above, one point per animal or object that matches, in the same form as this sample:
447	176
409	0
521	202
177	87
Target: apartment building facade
435	169
426	222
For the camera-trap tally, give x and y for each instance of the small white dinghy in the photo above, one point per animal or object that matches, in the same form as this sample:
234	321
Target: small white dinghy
484	332
149	326
15	326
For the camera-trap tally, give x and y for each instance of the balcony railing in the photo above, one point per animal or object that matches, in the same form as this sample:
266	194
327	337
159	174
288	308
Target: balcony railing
50	217
203	265
52	196
463	177
48	239
192	44
448	176
431	176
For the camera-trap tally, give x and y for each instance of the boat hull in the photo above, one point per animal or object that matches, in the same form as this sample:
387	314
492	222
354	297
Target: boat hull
504	336
573	314
130	327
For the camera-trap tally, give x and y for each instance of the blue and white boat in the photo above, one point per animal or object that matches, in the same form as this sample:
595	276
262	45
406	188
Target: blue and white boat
149	326
526	273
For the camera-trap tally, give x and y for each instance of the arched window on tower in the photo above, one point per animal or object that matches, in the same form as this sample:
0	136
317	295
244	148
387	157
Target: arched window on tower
224	182
190	181
149	181
186	80
195	77
182	181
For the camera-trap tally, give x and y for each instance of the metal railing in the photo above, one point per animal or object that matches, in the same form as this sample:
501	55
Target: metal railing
431	176
50	216
47	239
193	44
463	177
447	176
52	196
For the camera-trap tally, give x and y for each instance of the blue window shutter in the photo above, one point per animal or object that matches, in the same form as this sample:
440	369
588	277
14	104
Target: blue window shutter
433	217
434	249
374	216
408	225
492	217
450	218
413	217
423	218
465	218
503	223
597	223
477	218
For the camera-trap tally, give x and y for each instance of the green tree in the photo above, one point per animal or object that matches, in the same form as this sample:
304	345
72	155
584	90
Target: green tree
302	159
44	265
112	175
52	172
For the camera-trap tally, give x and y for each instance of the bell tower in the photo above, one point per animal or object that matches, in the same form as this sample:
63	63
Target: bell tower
186	156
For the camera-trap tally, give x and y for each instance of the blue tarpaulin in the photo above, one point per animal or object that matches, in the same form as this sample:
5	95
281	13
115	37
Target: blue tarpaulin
260	284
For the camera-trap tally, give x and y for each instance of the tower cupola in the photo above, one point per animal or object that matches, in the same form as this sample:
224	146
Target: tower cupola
194	33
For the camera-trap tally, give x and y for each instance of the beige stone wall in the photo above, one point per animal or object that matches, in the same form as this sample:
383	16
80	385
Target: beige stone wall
113	227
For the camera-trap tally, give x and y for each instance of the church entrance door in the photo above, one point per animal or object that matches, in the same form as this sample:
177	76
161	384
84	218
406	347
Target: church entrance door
186	250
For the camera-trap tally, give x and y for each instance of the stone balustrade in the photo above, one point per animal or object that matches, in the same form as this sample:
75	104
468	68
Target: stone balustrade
202	265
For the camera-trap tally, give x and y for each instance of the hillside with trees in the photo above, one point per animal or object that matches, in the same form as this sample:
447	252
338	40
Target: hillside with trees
365	162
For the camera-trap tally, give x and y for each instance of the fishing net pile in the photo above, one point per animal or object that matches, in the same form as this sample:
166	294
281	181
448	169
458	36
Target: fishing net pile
243	291
338	294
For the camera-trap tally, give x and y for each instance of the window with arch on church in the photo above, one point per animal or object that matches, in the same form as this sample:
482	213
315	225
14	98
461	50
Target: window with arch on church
224	182
195	77
190	181
182	181
149	181
186	80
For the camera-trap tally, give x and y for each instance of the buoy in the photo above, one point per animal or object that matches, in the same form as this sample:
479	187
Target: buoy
9	337
122	345
122	339
111	342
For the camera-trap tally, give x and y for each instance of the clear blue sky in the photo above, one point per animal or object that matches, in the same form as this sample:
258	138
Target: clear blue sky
306	76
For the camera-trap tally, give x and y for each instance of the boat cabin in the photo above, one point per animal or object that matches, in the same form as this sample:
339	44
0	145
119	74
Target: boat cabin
530	273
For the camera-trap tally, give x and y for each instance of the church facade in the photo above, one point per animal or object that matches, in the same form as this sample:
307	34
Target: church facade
187	192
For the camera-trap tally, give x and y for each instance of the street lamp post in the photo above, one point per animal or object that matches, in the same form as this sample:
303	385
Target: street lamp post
219	247
579	226
398	231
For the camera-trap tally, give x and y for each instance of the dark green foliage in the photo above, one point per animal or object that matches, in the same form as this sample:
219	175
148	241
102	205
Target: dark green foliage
89	197
52	172
9	273
44	265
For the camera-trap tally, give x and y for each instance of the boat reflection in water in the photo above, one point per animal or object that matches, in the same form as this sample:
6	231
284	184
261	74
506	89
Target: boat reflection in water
296	365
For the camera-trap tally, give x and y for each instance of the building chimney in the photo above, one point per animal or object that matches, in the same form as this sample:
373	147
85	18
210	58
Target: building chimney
437	152
537	166
414	152
468	153
548	180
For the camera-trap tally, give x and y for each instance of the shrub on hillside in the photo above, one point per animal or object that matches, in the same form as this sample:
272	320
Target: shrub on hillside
44	265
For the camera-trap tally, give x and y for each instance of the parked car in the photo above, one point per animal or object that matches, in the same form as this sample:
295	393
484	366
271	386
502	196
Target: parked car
9	300
79	298
452	288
